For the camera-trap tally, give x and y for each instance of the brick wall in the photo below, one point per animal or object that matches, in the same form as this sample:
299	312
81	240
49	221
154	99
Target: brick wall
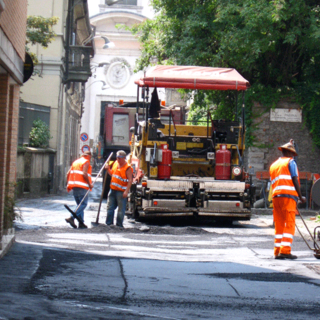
4	113
13	22
13	126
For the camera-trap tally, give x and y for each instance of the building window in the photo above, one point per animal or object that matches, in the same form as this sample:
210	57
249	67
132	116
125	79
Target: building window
127	2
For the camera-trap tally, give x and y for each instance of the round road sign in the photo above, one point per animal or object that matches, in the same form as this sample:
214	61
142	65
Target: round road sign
84	137
85	148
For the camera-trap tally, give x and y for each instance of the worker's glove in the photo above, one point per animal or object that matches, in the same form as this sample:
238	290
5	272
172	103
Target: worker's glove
302	200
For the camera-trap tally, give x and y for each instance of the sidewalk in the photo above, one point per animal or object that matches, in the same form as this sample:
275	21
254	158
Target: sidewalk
49	210
7	242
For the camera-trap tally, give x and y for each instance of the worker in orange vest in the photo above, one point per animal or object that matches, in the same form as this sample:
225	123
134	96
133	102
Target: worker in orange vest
121	181
286	193
79	180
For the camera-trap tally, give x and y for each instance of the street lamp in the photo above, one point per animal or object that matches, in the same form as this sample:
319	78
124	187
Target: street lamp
104	85
107	43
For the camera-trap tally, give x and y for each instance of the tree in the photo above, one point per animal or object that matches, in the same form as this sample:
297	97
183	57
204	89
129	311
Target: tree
273	44
40	30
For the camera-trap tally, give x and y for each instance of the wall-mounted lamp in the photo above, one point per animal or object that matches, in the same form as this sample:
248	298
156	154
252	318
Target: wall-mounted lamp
95	65
107	43
104	85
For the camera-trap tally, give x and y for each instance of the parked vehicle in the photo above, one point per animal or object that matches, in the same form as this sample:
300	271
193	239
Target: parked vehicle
117	123
189	170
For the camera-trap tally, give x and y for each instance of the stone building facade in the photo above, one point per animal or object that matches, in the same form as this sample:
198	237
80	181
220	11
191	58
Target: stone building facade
275	129
104	87
13	15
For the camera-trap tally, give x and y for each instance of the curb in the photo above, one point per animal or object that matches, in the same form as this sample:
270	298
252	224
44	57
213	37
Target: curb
7	242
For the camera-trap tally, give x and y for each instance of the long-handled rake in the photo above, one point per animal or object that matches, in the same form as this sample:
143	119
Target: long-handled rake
74	212
316	248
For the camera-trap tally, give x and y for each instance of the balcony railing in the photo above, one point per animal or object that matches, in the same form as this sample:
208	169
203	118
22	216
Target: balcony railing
78	64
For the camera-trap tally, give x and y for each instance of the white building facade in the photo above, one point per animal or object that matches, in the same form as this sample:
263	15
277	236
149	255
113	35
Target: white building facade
116	52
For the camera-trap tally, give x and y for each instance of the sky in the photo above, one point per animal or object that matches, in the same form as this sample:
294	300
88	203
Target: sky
93	7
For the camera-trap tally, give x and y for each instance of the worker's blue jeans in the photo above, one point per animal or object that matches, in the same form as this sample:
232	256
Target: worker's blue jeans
78	194
115	199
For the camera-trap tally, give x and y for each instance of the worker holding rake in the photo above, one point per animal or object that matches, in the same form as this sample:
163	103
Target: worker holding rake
79	180
286	193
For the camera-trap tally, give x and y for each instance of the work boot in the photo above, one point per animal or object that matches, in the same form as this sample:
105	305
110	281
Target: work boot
287	256
278	257
70	220
82	226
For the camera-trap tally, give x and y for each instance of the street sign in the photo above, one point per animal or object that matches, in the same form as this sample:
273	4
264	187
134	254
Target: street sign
85	148
286	115
84	137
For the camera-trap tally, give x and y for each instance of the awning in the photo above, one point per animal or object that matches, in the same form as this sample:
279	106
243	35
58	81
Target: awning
191	77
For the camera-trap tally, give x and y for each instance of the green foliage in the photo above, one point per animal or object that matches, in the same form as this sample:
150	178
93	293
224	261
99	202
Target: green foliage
220	104
40	134
181	33
273	44
309	97
11	213
40	30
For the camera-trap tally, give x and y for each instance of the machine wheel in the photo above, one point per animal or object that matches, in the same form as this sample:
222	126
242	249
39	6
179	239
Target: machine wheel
224	222
135	214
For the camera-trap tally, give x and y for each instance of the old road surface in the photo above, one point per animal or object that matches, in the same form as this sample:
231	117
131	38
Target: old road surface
150	271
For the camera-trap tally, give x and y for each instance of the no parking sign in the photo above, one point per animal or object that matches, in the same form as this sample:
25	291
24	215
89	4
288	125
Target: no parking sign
84	137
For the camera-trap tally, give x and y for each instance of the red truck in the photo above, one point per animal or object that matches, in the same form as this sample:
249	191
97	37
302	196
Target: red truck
118	120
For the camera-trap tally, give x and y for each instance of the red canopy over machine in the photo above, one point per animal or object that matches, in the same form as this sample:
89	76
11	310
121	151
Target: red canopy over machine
191	77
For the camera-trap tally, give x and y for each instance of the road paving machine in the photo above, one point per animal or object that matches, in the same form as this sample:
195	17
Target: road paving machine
185	169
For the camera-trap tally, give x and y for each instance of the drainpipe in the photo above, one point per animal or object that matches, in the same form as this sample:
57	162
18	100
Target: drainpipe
67	46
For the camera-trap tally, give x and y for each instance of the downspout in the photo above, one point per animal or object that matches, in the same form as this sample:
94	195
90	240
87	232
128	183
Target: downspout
67	46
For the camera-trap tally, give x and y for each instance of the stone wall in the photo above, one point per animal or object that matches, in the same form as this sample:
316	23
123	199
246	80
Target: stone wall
269	135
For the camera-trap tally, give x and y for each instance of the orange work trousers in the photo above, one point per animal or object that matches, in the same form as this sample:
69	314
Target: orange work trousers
284	215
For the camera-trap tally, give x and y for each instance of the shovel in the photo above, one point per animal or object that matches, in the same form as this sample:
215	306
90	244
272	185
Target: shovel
101	197
74	212
316	248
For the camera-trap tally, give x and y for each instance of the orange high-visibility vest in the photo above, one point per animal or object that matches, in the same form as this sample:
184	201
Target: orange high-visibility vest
281	179
119	180
76	179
